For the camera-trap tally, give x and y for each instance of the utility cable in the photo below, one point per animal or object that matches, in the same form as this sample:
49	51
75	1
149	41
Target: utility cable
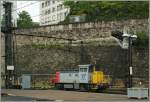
24	6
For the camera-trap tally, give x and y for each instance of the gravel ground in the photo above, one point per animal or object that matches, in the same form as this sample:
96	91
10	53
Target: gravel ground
28	95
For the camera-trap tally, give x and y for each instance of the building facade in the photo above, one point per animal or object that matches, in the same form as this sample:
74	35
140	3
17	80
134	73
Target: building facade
52	12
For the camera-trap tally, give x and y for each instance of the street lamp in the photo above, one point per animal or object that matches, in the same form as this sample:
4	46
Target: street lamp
127	44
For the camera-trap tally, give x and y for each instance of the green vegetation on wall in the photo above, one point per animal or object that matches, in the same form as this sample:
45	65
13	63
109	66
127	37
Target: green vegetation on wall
109	10
142	39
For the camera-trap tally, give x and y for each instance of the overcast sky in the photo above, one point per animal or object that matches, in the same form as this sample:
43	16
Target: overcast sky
32	7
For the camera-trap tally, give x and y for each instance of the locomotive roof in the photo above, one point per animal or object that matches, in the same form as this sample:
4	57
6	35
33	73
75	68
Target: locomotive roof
84	65
69	70
97	68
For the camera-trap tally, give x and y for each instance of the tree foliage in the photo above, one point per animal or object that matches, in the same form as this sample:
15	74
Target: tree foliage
142	39
25	20
109	10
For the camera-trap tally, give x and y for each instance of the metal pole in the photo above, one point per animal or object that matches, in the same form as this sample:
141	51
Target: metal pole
8	43
131	70
69	51
130	62
81	53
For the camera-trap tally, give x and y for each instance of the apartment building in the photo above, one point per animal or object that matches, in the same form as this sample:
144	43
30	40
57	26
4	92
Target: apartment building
52	12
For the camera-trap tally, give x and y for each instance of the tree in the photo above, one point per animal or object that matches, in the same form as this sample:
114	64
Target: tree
24	20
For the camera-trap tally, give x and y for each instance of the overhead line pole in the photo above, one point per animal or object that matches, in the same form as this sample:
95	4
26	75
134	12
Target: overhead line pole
8	44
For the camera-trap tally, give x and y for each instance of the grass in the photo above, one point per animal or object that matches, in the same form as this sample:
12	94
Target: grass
42	85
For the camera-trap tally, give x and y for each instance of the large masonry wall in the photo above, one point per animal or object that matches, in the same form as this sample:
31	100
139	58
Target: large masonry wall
39	54
91	31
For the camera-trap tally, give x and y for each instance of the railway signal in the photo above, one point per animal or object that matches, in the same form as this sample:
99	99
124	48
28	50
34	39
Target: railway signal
127	41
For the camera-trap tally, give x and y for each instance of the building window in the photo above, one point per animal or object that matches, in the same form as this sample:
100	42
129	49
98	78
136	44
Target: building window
50	18
46	12
53	17
49	11
61	14
59	7
53	1
57	16
42	5
46	3
53	9
43	13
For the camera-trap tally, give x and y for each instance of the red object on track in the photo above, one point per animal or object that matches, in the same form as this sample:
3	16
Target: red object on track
51	78
57	77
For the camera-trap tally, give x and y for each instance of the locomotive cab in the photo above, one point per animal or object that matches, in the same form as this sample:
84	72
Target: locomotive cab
84	75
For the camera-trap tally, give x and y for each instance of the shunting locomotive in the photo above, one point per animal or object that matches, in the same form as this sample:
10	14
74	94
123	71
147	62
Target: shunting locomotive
86	77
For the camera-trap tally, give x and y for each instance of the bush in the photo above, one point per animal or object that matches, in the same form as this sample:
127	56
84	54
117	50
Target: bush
142	39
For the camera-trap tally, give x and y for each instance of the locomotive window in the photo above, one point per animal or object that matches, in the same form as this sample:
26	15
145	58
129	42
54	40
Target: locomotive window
83	69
